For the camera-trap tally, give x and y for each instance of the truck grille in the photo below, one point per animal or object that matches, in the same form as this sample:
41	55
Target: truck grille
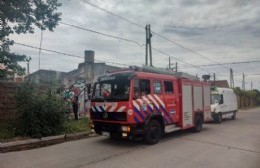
111	116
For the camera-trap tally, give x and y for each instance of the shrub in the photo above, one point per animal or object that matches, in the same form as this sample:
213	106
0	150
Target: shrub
40	111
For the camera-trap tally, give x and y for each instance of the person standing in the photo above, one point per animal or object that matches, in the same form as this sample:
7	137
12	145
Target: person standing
75	107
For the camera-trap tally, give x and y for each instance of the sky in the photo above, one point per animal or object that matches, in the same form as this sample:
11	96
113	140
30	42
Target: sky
216	31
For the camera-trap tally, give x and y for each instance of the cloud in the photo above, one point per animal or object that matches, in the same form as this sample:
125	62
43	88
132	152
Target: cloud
222	31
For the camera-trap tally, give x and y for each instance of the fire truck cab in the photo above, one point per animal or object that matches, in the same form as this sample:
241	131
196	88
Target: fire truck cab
148	103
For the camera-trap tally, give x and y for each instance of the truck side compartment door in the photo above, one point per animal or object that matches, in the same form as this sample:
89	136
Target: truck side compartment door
206	102
187	110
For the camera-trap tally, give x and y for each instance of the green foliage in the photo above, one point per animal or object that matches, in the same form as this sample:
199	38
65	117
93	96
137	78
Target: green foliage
237	91
40	111
21	16
6	131
73	126
248	97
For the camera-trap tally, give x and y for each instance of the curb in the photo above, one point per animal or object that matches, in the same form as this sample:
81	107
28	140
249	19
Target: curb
45	141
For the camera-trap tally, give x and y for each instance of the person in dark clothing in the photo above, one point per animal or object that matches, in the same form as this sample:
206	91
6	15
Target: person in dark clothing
75	107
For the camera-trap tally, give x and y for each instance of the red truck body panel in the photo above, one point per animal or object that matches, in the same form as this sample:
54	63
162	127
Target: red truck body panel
177	107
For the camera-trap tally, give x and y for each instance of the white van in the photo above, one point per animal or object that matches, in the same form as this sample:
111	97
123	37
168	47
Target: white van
223	104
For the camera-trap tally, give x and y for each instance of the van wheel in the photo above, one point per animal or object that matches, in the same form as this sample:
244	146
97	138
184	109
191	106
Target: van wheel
198	123
234	115
153	132
218	118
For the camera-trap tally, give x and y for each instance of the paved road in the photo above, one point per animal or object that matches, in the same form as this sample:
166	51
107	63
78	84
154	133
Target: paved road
232	144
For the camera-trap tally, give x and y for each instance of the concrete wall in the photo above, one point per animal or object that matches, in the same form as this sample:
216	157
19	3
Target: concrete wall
46	76
7	101
86	71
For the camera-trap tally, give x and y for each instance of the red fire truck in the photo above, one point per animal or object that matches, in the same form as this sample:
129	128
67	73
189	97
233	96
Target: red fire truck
148	102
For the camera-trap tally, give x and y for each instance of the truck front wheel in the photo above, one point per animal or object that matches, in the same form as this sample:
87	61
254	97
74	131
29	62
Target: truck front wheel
153	132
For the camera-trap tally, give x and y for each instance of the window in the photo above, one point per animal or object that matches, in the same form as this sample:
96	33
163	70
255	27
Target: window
145	87
157	87
103	90
141	87
116	89
168	87
215	98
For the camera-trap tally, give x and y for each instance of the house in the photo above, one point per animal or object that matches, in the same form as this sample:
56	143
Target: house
220	83
86	72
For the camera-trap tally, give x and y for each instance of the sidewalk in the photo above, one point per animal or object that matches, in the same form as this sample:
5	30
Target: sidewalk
45	141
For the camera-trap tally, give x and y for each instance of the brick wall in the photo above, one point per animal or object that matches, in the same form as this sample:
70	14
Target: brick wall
7	101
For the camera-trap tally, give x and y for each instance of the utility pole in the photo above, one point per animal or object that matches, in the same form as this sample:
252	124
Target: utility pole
214	79
28	65
169	63
148	45
251	85
243	82
176	65
40	49
231	78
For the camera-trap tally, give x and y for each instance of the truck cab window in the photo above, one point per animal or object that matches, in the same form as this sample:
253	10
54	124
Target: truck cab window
215	98
157	87
145	87
168	87
141	87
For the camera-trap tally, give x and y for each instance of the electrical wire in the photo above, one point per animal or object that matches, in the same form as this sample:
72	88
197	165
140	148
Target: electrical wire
67	54
100	33
128	40
227	63
162	52
136	24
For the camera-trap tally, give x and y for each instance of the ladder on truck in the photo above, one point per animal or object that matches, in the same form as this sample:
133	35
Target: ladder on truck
150	69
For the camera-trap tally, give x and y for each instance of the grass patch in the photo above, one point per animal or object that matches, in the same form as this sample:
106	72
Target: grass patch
7	131
73	126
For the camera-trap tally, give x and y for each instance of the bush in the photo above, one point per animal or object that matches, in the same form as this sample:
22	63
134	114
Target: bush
40	111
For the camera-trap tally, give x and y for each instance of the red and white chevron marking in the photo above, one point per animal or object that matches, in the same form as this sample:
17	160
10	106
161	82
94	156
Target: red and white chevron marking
150	100
114	108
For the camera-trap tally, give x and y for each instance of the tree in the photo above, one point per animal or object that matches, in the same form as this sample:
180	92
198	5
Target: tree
40	110
22	16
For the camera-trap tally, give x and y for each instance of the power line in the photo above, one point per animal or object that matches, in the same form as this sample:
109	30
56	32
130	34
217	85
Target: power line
116	37
136	24
239	75
179	59
111	13
227	63
67	54
128	40
104	34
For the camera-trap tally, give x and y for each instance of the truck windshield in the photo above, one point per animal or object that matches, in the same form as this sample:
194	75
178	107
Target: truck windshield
215	98
116	89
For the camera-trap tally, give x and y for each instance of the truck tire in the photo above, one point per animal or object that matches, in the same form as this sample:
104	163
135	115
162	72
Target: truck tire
153	132
218	118
234	115
198	123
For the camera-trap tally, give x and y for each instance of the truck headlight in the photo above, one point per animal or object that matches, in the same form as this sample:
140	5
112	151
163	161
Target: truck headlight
125	128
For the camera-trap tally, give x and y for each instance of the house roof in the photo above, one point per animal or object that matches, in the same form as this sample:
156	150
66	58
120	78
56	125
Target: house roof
220	83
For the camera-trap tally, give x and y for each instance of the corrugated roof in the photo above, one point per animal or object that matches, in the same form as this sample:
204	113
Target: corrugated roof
220	83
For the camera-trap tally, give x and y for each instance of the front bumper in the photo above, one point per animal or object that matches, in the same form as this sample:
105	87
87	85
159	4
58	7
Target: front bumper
115	130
